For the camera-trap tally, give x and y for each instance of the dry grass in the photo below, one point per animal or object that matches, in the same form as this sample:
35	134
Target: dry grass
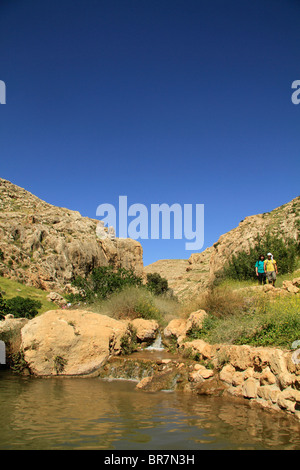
137	302
220	302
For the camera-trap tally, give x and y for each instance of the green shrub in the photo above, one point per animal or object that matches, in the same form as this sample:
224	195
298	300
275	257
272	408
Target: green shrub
241	266
102	282
22	307
146	309
17	362
271	323
157	284
278	324
59	364
221	302
209	323
1	255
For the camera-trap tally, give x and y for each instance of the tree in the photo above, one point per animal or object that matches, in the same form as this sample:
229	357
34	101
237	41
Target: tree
22	307
102	282
157	284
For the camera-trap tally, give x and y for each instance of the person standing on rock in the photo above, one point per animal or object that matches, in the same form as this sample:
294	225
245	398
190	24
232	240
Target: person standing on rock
271	270
260	270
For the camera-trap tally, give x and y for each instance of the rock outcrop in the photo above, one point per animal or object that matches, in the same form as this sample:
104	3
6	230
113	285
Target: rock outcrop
190	277
47	246
178	327
70	342
283	221
146	330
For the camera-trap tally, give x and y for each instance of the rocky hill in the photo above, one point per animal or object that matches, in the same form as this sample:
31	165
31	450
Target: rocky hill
190	277
47	246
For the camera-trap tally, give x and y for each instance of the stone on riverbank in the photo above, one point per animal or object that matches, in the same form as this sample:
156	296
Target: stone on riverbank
146	330
70	342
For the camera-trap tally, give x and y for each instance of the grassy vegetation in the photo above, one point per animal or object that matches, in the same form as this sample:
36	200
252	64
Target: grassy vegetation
14	289
257	319
137	302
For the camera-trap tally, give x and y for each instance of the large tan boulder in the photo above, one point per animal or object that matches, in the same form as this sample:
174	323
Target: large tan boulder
267	377
200	373
70	342
240	356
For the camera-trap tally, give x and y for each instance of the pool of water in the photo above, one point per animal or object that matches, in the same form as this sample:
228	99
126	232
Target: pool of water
62	413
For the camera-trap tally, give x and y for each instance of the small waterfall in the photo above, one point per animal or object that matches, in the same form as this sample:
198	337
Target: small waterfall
157	345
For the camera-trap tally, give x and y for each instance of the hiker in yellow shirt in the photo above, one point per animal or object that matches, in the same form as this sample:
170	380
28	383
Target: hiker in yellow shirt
271	270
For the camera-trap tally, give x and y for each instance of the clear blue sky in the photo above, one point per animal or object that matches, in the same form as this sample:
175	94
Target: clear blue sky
175	101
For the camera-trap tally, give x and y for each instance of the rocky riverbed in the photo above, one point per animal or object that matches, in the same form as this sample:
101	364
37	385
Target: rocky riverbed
80	343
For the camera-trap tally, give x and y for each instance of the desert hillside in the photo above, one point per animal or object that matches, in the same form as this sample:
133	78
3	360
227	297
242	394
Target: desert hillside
192	276
47	246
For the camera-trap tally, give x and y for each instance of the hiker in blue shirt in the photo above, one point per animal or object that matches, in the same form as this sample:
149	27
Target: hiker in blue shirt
260	270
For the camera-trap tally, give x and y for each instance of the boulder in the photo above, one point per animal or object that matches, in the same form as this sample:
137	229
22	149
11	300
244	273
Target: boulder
267	377
240	356
179	327
196	319
10	333
200	347
212	386
176	327
269	393
291	286
146	330
200	374
250	388
227	374
57	299
70	342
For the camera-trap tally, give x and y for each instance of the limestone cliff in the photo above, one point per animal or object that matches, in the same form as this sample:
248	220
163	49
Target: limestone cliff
190	277
47	246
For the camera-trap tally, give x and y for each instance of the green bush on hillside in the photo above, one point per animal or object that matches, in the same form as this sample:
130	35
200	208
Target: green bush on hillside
102	282
19	307
285	252
157	284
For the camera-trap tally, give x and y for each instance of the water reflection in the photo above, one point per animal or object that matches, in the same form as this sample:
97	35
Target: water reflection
93	414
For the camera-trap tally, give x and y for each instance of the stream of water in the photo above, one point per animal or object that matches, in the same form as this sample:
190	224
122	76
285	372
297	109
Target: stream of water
62	413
